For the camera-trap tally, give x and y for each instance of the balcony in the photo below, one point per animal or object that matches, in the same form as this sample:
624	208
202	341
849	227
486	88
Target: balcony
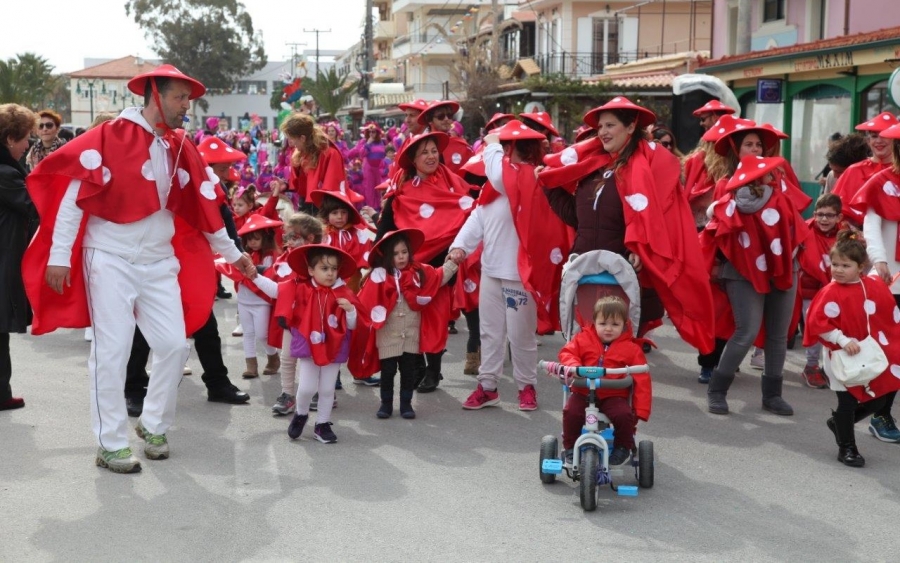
400	6
384	30
586	64
416	44
385	71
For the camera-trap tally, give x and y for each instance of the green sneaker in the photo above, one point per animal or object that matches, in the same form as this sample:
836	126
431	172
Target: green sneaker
156	447
119	461
884	429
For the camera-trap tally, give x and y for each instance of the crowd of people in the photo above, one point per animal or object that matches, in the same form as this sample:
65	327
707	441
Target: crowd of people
363	257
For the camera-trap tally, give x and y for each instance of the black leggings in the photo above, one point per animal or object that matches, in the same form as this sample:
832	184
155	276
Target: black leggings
473	323
881	406
409	366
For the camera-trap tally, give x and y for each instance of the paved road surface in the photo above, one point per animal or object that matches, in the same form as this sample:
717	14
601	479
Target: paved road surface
451	485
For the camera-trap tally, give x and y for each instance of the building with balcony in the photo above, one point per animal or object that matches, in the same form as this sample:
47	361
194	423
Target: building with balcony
815	67
102	86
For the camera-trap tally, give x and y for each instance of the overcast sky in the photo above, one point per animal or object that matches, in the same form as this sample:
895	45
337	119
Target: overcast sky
72	30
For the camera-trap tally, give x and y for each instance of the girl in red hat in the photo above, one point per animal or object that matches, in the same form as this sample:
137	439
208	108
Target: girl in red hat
408	313
757	230
321	313
855	176
345	228
846	311
254	306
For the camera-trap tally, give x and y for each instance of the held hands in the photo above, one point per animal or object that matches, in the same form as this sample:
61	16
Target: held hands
635	261
881	268
245	265
58	277
491	138
852	348
277	186
456	255
345	305
538	170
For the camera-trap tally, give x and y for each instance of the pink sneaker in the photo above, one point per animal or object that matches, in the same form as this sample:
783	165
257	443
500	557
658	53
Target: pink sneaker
481	398
528	399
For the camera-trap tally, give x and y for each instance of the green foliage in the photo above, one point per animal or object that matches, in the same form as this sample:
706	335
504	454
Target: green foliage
28	80
329	90
210	40
571	95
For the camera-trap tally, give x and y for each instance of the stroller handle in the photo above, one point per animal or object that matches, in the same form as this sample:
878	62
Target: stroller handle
568	373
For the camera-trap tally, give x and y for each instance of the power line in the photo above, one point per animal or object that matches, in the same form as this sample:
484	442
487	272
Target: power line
317	32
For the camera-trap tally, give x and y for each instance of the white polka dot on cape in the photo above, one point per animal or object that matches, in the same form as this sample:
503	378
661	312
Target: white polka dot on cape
362	236
90	159
469	286
776	248
378	275
869	306
882	339
770	216
184	177
638	202
147	170
378	314
744	239
316	337
761	264
426	211
556	256
208	190
832	310
897	314
568	156
895	370
466	202
423	299
283	270
332	320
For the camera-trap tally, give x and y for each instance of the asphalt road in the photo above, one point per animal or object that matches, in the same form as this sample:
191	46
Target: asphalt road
452	485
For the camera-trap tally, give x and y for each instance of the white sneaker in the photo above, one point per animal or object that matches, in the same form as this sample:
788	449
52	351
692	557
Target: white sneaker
238	331
186	370
89	334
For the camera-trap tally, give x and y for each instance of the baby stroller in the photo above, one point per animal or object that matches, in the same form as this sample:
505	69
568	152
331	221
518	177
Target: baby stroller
586	278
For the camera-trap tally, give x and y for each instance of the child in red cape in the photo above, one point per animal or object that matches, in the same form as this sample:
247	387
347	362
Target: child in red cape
815	273
321	313
610	343
399	292
254	306
345	228
845	311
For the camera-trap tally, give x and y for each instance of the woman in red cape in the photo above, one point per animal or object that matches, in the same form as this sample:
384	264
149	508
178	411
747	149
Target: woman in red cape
756	229
622	194
424	194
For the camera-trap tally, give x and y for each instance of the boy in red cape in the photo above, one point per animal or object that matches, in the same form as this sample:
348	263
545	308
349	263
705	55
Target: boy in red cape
127	210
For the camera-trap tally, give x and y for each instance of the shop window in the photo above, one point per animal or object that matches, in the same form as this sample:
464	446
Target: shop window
773	10
876	100
252	87
817	113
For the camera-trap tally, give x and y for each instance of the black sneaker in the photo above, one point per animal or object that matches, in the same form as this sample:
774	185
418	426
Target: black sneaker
569	456
295	428
619	456
324	433
222	294
337	384
134	406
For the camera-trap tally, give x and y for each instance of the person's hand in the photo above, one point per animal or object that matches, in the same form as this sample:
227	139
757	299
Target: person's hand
538	170
635	261
491	138
456	255
345	305
852	348
881	268
276	187
368	212
58	277
246	266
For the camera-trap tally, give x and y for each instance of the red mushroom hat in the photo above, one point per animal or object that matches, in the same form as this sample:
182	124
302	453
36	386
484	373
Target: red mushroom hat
450	105
645	117
542	119
138	84
215	151
298	260
713	106
407	155
415	237
878	123
257	222
752	168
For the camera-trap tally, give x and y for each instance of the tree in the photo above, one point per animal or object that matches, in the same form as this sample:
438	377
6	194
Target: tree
571	95
329	90
210	40
28	80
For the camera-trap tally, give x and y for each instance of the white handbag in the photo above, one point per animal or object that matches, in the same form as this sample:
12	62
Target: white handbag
861	368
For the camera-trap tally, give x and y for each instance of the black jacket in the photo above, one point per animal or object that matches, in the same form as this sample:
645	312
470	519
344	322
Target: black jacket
18	223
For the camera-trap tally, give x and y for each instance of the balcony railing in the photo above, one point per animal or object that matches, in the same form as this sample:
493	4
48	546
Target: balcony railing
587	64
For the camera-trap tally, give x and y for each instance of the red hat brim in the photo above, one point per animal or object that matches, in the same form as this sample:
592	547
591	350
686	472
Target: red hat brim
492	122
406	156
418	105
752	168
516	130
415	237
215	151
528	118
138	84
881	122
318	197
436	105
297	260
645	117
713	106
767	136
475	165
257	222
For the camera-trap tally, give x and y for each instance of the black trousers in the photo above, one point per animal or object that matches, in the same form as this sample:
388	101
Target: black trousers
5	368
711	360
473	323
881	406
209	350
409	366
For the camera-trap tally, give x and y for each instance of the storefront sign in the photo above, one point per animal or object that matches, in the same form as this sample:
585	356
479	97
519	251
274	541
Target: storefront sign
831	60
768	91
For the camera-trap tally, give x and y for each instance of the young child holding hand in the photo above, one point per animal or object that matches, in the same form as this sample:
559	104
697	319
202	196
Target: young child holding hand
845	311
610	343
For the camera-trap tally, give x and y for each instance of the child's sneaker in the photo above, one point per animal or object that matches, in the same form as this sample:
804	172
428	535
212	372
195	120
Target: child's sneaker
238	331
337	384
118	461
814	377
569	456
758	360
705	375
883	428
324	433
295	428
285	404
481	398
619	455
156	447
370	381
314	403
528	399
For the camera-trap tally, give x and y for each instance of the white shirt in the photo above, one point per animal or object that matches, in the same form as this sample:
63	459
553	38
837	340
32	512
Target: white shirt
881	242
141	242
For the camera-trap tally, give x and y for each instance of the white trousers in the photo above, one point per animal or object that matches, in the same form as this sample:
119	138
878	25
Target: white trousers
288	366
314	379
121	295
507	310
255	322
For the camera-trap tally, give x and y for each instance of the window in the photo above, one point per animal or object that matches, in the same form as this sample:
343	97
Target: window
773	10
877	100
817	113
252	87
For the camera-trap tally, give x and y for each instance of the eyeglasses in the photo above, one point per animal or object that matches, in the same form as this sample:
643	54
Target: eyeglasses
441	115
826	215
46	125
667	144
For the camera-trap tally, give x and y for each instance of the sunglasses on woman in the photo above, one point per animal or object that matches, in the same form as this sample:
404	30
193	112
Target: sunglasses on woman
441	116
46	125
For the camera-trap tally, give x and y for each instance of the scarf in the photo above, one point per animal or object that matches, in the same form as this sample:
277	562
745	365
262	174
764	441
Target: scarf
39	152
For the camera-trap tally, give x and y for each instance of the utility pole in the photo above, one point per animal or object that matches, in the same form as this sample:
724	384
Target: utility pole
742	45
495	35
293	47
317	32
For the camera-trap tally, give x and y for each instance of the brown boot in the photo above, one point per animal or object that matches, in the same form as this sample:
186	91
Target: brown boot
273	364
252	369
473	362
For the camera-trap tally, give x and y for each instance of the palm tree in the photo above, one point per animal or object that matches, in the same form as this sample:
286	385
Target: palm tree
28	79
329	90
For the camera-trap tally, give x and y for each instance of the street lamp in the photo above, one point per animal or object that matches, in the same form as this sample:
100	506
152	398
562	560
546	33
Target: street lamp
90	87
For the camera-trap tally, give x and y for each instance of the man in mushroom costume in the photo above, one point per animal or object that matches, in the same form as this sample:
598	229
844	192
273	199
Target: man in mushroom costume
128	216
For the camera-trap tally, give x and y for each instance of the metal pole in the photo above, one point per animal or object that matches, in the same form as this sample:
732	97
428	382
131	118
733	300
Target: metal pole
91	94
317	32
